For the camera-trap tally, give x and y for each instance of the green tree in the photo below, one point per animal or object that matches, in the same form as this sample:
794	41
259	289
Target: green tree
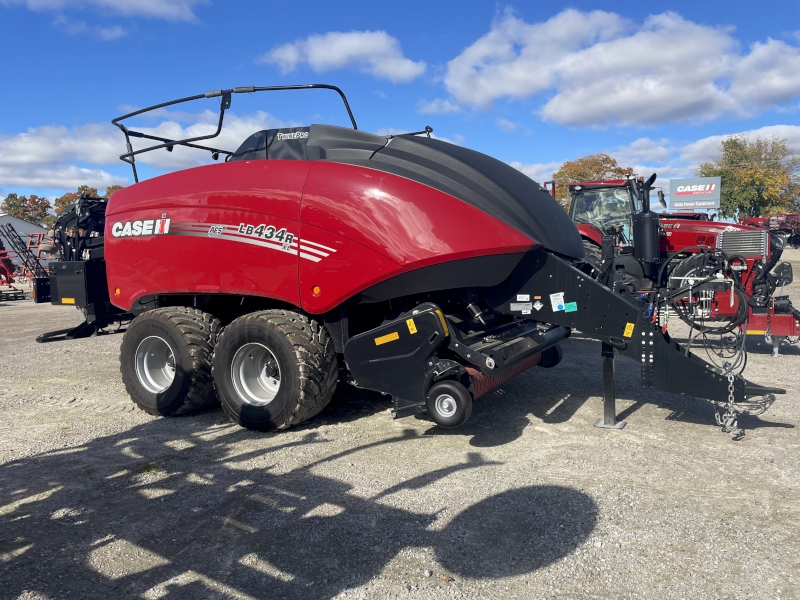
64	201
69	198
36	209
15	205
759	177
111	189
592	167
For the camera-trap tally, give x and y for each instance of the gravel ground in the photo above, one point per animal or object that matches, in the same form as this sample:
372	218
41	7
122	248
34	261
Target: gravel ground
526	500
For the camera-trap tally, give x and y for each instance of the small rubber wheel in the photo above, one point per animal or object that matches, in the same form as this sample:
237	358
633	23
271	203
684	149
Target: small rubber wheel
274	369
551	357
449	403
165	360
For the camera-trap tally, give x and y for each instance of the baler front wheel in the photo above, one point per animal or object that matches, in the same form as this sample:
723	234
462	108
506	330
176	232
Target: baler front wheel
274	369
449	403
165	360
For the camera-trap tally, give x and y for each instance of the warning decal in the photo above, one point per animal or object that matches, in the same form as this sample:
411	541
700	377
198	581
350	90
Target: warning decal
628	330
385	339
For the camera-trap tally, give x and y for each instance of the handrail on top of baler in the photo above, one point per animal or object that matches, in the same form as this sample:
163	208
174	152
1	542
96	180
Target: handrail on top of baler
225	104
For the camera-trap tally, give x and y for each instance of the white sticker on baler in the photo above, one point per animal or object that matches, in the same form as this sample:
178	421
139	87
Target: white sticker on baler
537	305
521	306
557	301
526	312
523	297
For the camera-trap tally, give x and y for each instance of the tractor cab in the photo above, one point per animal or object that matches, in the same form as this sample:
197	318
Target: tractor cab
608	206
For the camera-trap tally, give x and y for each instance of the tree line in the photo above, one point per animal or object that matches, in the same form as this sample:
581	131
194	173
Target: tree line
36	209
759	177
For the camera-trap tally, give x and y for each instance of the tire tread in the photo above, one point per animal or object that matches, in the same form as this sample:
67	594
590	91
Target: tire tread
315	355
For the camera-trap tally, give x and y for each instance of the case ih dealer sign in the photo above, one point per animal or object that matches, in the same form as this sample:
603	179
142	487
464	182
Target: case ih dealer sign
699	192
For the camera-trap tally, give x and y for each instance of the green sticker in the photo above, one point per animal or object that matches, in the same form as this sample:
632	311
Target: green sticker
571	307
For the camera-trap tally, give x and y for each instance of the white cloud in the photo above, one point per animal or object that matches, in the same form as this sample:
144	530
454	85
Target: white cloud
516	59
506	125
597	68
768	75
667	158
539	172
373	52
53	156
707	149
642	151
66	177
106	33
170	10
111	32
437	106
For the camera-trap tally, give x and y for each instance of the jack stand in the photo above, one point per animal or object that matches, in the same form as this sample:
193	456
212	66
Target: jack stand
776	346
609	420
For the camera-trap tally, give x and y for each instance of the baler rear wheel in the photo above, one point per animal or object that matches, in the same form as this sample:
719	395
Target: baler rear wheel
274	369
165	360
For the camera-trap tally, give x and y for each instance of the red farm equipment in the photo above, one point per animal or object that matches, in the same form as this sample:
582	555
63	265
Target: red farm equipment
26	266
787	225
311	255
8	291
690	250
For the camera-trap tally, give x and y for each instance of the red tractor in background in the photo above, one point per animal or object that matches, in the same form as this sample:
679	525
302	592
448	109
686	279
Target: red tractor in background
787	225
615	221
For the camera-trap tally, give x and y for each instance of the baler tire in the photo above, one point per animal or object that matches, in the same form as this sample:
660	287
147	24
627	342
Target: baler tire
190	334
307	372
449	403
594	257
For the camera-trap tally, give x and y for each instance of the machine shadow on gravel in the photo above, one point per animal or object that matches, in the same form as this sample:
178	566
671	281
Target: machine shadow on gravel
172	509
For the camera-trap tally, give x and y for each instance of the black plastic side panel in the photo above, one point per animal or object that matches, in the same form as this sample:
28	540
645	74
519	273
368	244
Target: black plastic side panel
393	358
479	271
584	303
78	283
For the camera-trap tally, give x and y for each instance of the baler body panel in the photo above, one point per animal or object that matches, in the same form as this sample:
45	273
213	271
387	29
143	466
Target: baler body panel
407	224
309	233
199	241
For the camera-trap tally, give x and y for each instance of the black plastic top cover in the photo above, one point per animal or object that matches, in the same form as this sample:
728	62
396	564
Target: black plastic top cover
484	182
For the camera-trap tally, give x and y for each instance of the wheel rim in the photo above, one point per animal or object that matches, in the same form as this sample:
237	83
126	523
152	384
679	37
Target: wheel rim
256	374
446	405
155	364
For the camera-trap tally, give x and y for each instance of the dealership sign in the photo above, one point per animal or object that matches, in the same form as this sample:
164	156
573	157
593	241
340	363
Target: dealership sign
698	192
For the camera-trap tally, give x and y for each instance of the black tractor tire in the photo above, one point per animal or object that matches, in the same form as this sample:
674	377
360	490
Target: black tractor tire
274	369
188	335
593	257
449	403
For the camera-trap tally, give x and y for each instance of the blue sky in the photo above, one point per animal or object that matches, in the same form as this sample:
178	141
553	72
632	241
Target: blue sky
533	84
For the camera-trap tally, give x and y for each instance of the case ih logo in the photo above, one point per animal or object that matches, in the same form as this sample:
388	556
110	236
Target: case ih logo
297	135
137	228
695	190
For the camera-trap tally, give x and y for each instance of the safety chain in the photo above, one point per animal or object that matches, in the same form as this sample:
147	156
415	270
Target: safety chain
728	420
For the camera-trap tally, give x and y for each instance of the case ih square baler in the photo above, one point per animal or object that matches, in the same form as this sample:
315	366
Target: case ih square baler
312	255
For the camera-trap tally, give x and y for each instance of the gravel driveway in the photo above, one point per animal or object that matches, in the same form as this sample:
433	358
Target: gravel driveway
527	500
